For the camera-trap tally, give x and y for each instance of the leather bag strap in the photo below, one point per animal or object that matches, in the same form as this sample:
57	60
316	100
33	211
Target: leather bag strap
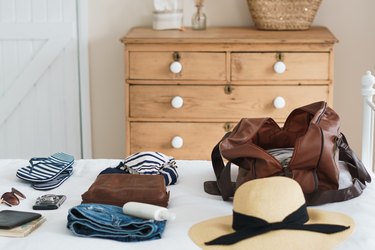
217	160
223	185
348	160
329	196
356	167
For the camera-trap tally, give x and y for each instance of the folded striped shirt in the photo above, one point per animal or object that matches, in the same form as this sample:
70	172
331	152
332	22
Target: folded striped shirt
153	163
150	162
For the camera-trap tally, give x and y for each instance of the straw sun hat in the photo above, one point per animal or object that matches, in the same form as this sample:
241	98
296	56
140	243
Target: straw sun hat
277	206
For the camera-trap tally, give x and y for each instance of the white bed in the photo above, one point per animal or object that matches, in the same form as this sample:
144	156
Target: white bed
187	199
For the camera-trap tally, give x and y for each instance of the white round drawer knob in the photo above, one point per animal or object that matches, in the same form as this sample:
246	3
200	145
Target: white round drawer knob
177	142
175	67
177	102
279	102
279	67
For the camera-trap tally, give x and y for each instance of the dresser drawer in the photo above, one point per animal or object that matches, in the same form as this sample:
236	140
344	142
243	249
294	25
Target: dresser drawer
299	66
198	138
211	102
195	65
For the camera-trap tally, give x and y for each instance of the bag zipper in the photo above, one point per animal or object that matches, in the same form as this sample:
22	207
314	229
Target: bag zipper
321	114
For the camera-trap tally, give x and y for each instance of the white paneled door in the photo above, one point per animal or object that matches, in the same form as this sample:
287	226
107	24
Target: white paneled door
39	78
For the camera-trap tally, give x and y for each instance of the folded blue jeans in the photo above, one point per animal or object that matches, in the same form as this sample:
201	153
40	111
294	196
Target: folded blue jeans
109	222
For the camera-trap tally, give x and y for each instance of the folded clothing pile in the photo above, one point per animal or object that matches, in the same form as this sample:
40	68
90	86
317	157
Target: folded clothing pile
148	163
109	222
46	173
142	177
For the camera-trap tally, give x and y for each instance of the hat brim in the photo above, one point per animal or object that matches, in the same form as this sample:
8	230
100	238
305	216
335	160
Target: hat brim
278	239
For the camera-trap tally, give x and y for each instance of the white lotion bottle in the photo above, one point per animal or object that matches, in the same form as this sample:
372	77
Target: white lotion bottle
147	211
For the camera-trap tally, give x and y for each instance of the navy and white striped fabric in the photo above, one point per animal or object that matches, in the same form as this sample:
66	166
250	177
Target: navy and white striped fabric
47	173
151	163
283	155
54	183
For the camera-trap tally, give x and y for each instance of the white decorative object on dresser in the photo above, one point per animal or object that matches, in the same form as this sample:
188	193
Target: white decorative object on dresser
185	89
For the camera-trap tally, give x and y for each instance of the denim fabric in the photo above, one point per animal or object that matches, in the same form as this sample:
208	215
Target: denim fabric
109	222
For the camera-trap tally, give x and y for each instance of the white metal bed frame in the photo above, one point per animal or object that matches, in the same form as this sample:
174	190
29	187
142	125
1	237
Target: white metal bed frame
368	81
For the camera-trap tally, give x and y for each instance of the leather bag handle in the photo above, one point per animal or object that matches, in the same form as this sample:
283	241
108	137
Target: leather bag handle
223	185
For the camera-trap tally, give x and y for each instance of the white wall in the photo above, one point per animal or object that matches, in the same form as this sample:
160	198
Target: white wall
352	22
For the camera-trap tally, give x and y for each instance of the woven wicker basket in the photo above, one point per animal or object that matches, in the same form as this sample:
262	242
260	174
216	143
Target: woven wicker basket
283	14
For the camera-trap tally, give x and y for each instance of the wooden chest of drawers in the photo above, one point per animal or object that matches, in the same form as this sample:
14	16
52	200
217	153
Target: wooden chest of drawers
185	89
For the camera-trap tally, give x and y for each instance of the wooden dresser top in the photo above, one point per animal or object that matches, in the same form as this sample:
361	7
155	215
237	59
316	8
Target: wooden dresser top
144	35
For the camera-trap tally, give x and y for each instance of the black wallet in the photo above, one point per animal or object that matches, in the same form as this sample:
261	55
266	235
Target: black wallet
10	218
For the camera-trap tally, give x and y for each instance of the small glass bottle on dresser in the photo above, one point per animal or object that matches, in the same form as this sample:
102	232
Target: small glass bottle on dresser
199	19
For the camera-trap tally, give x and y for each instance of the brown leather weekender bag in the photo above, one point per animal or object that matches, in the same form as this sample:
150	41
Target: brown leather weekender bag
319	151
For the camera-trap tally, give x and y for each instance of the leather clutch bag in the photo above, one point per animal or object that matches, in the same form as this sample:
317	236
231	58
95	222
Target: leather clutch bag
117	189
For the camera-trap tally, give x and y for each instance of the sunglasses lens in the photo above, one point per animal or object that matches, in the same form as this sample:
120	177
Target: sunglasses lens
18	193
10	199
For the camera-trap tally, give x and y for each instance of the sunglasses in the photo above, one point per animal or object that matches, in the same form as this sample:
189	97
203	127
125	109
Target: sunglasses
12	198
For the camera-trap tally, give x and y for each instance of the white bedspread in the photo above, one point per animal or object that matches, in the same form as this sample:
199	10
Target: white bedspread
188	200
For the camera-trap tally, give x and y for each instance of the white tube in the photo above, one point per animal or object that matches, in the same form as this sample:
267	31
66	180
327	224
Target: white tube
147	211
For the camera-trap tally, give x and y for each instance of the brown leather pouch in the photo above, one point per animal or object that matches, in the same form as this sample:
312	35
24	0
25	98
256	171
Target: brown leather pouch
117	189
